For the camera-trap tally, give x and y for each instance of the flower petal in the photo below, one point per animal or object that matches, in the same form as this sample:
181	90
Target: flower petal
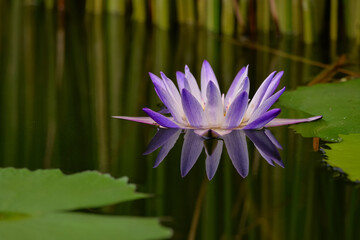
180	78
236	111
283	121
193	86
172	90
156	81
146	120
213	159
245	87
266	105
256	100
236	85
236	146
193	110
169	101
214	108
264	119
207	74
272	86
191	150
160	119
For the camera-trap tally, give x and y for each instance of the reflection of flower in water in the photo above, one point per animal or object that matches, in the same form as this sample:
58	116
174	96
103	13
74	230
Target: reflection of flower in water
235	143
207	109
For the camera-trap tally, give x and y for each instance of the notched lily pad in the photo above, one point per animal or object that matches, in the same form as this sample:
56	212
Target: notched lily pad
339	103
33	205
25	191
345	155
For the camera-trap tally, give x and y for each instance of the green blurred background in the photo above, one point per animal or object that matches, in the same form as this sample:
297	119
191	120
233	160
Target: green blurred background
67	66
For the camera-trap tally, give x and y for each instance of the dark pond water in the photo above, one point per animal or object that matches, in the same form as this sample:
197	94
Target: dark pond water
63	77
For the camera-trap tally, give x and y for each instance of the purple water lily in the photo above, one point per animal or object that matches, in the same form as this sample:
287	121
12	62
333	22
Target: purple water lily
206	109
235	143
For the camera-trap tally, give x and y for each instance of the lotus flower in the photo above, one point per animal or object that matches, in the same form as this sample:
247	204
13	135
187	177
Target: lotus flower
235	143
208	111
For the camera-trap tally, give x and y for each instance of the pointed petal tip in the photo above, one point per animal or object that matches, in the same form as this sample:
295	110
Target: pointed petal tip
146	120
155	79
288	121
315	118
206	61
163	75
152	74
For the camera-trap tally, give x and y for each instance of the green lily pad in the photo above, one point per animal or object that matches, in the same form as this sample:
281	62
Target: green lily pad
338	103
345	155
25	191
33	205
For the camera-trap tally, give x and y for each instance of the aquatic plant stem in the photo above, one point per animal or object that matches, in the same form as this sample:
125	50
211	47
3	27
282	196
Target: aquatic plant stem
180	10
263	15
49	4
213	15
197	210
89	6
162	15
308	22
227	18
189	12
296	17
139	10
116	6
98	6
201	5
333	20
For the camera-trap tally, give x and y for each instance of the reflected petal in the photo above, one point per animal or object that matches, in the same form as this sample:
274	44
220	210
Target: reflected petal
164	151
265	146
161	137
213	159
191	150
236	145
272	138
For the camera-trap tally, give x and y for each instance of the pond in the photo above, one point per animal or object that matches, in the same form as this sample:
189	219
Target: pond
63	78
